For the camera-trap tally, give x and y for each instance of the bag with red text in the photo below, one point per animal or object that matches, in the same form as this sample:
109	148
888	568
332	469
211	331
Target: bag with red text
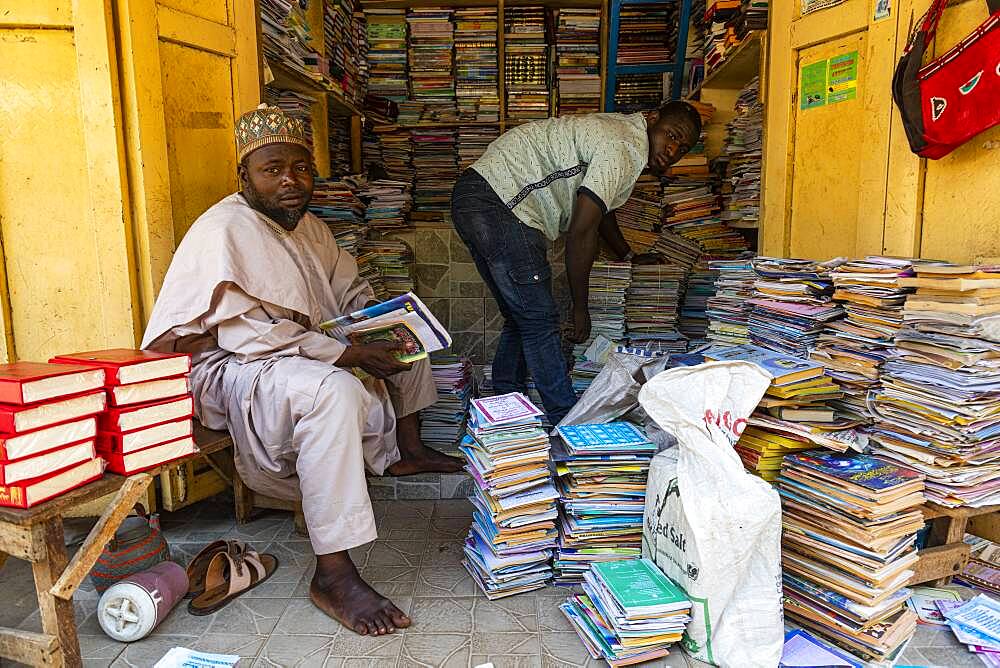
713	528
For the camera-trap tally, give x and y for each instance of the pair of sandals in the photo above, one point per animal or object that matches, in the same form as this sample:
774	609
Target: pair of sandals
224	570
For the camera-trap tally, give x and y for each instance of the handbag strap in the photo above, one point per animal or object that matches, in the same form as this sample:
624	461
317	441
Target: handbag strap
928	24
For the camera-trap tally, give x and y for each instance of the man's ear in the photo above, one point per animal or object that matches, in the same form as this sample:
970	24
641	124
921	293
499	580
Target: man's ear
241	172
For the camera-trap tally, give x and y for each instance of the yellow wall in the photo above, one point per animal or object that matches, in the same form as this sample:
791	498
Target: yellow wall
840	179
116	124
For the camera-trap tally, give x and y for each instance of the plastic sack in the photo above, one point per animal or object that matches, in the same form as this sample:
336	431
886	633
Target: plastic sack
710	526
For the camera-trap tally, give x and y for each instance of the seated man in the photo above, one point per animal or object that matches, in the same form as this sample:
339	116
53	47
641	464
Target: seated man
246	290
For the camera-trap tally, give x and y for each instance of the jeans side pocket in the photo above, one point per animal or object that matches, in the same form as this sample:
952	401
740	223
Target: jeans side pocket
532	290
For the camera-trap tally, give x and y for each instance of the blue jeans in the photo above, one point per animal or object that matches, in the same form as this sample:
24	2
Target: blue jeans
511	258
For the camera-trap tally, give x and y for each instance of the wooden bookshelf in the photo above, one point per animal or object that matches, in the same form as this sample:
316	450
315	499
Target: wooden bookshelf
742	65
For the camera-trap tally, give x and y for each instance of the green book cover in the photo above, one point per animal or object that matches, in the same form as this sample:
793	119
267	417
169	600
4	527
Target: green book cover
638	583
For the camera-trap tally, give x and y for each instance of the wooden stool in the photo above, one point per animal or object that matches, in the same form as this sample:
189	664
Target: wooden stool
946	554
36	535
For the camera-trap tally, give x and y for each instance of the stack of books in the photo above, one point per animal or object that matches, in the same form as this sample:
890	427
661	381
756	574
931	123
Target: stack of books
639	217
647	34
693	323
473	142
476	64
728	310
526	60
602	471
443	423
435	166
47	430
630	612
387	53
509	547
641	92
430	53
848	547
940	391
392	259
609	282
295	105
136	381
578	60
397	152
335	203
286	37
387	204
345	46
339	142
652	304
744	148
792	304
720	33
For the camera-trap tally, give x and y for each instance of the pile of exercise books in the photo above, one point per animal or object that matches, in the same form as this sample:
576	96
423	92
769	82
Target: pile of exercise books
286	36
397	152
338	142
646	34
940	395
526	59
609	282
431	45
148	421
976	624
848	546
473	141
744	148
388	204
295	105
602	471
509	546
435	166
387	53
700	287
720	32
792	304
48	427
652	304
393	260
443	423
630	612
853	349
334	202
728	310
578	60
677	250
476	64
639	217
345	46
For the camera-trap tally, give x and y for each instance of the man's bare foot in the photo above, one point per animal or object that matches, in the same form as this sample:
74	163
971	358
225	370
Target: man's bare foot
338	590
424	460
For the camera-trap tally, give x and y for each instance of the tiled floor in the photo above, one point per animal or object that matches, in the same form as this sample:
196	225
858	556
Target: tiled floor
416	562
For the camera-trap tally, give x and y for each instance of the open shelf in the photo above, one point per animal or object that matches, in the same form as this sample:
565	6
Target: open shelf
288	78
742	65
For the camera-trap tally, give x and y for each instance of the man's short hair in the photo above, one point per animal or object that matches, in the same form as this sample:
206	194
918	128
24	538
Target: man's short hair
678	108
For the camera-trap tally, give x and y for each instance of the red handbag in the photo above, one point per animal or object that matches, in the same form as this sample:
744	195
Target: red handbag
953	98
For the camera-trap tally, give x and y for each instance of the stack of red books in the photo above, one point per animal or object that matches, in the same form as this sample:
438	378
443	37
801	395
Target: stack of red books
47	429
148	420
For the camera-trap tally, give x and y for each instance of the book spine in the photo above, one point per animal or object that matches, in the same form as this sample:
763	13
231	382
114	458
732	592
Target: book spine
10	392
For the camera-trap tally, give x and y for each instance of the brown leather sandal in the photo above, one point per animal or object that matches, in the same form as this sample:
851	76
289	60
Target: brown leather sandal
199	565
231	573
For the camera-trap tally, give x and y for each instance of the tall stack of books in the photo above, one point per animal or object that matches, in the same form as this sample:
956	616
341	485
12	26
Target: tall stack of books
744	147
47	430
720	34
397	152
509	547
700	287
286	37
387	204
435	166
940	391
753	16
854	348
141	383
647	34
359	36
443	423
677	250
602	471
387	53
334	202
578	60
694	59
526	60
393	260
792	303
473	140
476	64
430	59
848	547
339	142
296	105
729	308
343	45
652	305
609	283
630	612
639	217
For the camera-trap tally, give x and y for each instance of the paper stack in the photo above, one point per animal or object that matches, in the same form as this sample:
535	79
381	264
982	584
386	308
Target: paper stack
138	383
609	281
334	202
431	44
631	612
940	396
792	303
652	303
476	64
729	308
295	105
602	471
744	147
435	166
975	624
286	37
677	250
387	204
720	36
647	34
509	547
393	260
345	46
473	142
443	423
578	60
397	152
693	322
639	217
387	53
848	547
526	58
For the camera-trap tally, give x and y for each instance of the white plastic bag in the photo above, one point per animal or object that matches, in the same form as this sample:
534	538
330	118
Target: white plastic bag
709	525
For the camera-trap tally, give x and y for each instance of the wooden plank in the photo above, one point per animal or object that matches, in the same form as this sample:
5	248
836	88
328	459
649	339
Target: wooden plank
57	614
18	542
936	563
103	531
34	649
195	31
44	511
986	526
739	67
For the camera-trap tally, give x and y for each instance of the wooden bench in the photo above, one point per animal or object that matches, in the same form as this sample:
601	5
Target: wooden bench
946	554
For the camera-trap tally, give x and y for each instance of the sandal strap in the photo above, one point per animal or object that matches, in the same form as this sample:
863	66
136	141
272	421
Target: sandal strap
211	548
231	564
253	559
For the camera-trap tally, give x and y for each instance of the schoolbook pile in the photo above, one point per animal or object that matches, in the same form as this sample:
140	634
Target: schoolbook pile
940	394
602	471
443	423
630	612
509	546
848	545
578	60
652	305
728	310
148	421
476	64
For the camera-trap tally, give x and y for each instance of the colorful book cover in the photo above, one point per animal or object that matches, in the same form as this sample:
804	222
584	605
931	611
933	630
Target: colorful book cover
862	470
776	364
638	583
621	434
399	332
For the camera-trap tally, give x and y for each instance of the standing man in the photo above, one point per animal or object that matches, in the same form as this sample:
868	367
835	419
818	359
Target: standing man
535	183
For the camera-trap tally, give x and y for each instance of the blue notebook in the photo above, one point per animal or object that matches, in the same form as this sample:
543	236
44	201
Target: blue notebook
613	435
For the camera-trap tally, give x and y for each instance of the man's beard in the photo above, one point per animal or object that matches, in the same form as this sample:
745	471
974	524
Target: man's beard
287	218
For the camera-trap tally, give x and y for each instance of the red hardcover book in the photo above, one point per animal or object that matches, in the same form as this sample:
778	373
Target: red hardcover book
140	460
45	464
151	390
30	493
19	419
124	366
130	418
23	383
18	446
144	438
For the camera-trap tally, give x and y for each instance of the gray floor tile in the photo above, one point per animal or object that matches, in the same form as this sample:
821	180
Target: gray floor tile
442	615
148	651
443	553
445	581
514	614
459	508
302	617
396	553
300	651
440	650
247	646
100	648
550	617
352	645
952	657
391	581
564	650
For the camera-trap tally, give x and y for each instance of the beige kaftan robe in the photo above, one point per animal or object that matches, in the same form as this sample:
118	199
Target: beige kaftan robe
245	297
